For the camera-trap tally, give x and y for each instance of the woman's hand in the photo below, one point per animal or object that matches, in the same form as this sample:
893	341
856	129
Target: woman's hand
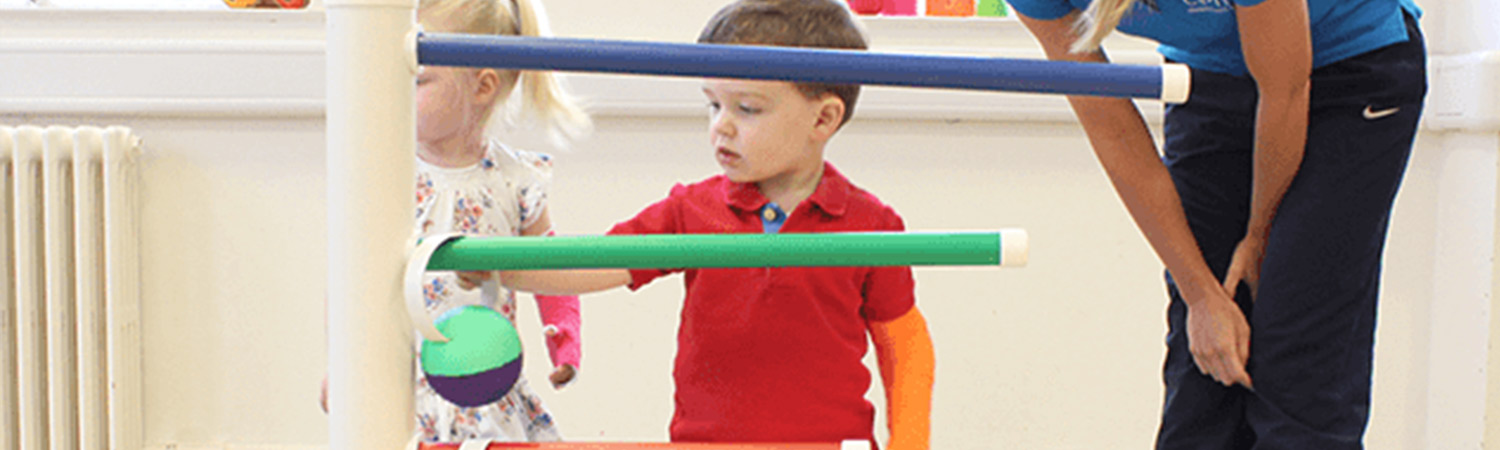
1219	338
1244	267
1218	334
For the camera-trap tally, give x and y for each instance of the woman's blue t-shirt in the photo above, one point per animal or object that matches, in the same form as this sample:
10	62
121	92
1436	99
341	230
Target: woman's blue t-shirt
1203	33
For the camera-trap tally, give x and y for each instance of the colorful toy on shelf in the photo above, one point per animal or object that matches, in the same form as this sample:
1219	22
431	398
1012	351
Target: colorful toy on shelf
884	7
282	4
950	8
935	8
866	7
900	8
991	8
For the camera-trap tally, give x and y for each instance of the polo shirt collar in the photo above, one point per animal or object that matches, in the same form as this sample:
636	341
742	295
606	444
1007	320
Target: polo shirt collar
831	195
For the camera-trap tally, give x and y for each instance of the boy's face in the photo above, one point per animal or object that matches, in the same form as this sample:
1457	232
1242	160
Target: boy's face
766	130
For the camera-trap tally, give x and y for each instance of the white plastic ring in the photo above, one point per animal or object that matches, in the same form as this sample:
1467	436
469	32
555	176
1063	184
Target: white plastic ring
416	266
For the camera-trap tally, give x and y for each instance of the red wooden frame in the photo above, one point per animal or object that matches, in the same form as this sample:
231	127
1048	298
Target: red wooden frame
643	446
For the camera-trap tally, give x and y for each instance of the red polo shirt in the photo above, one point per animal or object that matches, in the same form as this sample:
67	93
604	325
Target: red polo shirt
774	354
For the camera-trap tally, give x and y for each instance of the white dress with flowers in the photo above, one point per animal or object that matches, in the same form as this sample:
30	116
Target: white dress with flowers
501	195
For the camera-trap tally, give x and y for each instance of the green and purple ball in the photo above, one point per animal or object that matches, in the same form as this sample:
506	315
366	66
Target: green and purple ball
481	360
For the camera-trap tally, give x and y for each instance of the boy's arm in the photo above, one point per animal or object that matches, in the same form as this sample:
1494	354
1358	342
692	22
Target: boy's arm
659	218
550	282
564	282
903	349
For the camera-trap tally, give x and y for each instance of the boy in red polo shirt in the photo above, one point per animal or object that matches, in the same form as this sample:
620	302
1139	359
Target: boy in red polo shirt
774	354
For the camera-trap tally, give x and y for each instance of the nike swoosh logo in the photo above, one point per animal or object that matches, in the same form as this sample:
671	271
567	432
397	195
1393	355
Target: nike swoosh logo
1371	114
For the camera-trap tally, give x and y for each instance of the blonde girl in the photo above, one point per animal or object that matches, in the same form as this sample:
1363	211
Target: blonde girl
469	182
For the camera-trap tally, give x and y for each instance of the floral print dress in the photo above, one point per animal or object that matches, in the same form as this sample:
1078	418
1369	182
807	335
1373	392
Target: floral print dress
501	195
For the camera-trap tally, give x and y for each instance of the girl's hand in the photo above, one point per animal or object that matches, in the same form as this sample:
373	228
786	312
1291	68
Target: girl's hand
1219	338
562	375
1245	265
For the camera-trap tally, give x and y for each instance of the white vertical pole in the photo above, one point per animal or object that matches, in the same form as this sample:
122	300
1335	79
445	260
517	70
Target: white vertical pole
371	134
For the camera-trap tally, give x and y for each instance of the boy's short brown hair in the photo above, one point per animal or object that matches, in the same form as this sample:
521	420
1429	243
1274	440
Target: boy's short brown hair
792	23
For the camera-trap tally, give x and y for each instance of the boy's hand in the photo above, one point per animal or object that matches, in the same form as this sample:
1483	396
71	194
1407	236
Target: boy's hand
471	280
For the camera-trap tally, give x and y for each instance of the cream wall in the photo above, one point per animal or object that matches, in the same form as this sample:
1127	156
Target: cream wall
1064	353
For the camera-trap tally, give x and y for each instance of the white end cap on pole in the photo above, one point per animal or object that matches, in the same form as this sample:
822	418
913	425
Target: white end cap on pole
416	267
1014	246
1176	83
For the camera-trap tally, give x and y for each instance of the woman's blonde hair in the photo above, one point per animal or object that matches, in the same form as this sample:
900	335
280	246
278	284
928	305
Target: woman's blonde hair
1097	22
542	94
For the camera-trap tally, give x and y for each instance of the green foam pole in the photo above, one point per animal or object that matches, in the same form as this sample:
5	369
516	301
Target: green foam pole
686	251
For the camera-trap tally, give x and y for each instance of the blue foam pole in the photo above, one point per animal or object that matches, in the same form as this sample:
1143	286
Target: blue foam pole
790	64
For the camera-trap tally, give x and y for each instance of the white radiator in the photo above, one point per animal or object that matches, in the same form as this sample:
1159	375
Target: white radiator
70	316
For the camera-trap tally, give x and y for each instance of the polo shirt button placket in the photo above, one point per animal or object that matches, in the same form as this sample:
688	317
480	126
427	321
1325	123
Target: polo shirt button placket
774	220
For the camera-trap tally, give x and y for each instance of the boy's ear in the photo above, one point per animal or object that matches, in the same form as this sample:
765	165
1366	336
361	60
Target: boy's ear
830	115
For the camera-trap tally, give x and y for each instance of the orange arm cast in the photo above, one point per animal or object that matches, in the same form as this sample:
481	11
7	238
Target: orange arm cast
903	349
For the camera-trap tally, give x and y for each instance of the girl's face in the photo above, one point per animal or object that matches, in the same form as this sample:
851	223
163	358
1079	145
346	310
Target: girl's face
453	102
445	106
762	130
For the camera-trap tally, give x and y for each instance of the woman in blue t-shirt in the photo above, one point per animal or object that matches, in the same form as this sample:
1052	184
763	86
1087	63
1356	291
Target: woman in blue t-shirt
1270	203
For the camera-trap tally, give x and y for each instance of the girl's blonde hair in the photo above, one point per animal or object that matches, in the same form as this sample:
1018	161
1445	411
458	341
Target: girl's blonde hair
542	94
1097	22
